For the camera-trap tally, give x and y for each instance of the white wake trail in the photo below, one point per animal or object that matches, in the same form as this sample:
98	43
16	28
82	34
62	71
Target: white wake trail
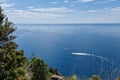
82	54
87	54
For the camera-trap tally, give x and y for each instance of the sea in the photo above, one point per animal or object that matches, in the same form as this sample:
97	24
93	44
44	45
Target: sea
74	49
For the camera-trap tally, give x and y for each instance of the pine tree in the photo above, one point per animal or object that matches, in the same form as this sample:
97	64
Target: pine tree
39	69
11	60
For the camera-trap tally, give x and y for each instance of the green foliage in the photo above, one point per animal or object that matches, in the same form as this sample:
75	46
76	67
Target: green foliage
11	60
95	77
73	77
53	71
39	69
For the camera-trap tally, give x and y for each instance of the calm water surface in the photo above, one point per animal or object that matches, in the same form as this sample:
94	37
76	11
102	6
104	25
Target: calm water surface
56	43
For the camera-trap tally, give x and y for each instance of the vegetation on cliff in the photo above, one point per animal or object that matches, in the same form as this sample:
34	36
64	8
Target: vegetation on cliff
11	60
13	63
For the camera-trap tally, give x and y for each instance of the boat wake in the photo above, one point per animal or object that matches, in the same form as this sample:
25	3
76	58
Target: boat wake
87	54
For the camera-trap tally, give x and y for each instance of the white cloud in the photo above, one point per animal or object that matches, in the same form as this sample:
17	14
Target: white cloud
65	1
21	16
54	2
104	2
6	5
84	1
30	14
30	7
106	15
53	10
1	0
62	15
36	15
44	16
104	10
74	2
117	9
91	11
72	5
112	0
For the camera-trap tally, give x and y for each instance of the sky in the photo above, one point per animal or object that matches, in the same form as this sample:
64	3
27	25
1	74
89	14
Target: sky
62	11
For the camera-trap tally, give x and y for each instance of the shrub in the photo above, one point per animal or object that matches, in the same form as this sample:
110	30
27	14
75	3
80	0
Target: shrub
94	77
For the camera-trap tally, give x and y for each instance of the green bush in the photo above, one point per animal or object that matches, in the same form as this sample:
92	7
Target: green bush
94	77
73	77
39	69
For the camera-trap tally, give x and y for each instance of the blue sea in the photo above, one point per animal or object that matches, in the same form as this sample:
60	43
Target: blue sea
81	49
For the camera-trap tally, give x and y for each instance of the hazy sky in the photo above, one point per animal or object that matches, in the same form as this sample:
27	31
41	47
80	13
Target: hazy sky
62	11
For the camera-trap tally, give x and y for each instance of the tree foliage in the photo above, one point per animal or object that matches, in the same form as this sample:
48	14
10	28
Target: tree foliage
95	77
11	60
73	77
39	69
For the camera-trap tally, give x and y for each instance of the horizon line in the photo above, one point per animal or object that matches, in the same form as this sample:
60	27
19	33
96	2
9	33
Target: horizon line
65	23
